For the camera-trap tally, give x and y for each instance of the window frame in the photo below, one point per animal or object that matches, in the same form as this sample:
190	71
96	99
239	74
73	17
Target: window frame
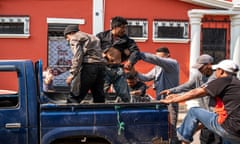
171	23
144	24
16	19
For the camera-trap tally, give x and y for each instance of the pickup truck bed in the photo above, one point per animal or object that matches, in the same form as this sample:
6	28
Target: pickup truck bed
117	123
30	116
114	122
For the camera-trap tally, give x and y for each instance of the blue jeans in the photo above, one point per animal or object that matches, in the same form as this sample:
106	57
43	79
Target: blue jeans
116	76
209	119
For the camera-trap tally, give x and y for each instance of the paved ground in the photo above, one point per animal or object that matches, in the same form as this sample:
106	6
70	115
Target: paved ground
181	115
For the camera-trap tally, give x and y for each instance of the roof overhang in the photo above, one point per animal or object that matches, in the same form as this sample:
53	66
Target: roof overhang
217	4
213	12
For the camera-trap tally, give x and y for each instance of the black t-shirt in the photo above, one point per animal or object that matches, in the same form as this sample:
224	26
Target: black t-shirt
227	89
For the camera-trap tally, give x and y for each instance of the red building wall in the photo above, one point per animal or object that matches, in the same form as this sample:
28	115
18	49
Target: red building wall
36	46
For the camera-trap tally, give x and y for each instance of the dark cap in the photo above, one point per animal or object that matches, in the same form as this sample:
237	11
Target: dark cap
163	49
203	59
70	28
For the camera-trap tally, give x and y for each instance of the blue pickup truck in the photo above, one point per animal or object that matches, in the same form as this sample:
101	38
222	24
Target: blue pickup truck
30	116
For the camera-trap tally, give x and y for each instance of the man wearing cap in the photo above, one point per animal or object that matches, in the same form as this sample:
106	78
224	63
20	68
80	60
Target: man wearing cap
165	75
87	69
201	73
225	121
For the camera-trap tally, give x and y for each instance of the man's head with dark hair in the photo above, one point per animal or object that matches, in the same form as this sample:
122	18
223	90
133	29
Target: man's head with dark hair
163	52
163	49
130	76
119	26
131	79
118	22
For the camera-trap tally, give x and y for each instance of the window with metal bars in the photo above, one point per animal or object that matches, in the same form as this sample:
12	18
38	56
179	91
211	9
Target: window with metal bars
14	27
170	29
137	29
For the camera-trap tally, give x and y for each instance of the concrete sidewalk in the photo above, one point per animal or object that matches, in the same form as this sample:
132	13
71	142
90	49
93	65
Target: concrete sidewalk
182	110
181	114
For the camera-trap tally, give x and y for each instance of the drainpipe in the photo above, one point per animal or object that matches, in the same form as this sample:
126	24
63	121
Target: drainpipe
98	16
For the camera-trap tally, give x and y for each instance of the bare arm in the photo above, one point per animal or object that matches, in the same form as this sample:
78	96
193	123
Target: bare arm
175	98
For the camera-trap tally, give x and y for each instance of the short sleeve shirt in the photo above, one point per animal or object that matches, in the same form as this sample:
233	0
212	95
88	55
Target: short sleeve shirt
227	89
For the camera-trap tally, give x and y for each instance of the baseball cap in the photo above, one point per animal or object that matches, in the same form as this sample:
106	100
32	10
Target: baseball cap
203	59
227	65
70	28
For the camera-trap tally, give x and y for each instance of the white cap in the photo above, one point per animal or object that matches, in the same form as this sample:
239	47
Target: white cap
227	65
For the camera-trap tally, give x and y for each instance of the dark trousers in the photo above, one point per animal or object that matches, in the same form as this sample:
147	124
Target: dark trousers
208	137
91	78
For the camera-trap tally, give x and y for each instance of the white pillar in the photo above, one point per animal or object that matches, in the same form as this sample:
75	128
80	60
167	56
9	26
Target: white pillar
195	22
235	40
236	3
98	16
